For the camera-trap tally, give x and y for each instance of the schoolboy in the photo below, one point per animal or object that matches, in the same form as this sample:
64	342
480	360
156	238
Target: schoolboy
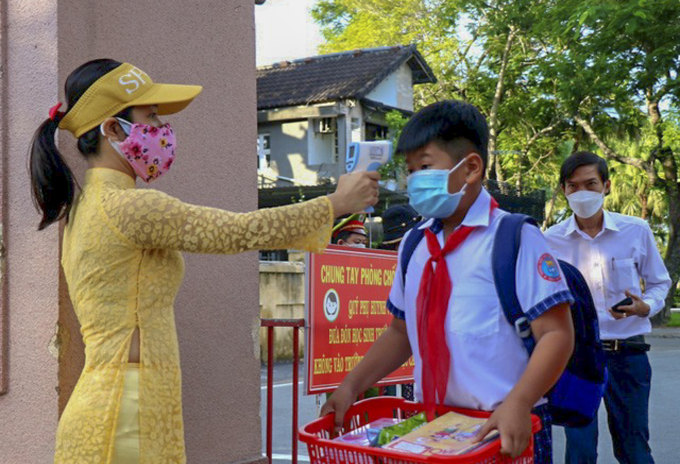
448	316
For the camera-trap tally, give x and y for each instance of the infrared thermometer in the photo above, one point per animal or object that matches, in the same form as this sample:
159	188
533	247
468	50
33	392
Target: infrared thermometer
368	156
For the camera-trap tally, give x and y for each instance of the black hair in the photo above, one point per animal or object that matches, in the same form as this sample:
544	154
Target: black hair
52	181
583	158
344	235
446	123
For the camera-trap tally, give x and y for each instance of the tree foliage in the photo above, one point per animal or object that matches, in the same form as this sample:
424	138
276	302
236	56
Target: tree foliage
552	77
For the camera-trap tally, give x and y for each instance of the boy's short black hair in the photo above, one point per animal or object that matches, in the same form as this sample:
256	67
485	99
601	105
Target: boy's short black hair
445	122
583	158
344	236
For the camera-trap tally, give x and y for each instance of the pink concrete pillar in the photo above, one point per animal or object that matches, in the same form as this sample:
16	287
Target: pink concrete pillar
29	82
209	43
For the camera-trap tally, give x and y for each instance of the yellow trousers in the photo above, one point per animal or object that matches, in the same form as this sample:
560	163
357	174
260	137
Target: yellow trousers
126	446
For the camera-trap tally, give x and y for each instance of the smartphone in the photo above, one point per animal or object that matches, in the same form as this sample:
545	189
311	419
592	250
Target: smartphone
625	302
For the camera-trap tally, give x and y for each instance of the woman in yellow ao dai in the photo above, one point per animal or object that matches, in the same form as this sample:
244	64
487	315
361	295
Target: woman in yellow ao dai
123	264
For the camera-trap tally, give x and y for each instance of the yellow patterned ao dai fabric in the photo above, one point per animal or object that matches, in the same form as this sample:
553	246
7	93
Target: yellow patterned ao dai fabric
123	265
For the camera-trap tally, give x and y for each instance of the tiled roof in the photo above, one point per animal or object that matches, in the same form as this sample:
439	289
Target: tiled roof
333	77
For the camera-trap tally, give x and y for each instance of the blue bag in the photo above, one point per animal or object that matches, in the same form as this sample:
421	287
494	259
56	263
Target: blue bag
575	398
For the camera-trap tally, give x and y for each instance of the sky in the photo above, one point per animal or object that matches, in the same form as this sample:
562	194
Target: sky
285	31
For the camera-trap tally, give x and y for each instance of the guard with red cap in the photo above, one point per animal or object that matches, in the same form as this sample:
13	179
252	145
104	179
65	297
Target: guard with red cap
350	233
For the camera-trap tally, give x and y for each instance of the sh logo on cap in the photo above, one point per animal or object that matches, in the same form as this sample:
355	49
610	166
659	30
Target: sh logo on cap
133	80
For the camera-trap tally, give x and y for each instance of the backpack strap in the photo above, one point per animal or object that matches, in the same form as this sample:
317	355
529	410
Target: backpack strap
411	242
504	263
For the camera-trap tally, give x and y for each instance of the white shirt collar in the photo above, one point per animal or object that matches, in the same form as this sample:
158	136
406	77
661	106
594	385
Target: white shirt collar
571	225
427	224
608	223
478	214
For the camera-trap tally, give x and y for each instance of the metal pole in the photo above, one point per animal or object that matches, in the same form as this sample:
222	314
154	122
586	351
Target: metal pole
270	390
296	362
270	324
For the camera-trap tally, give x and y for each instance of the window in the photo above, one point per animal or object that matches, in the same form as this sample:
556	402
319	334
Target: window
375	132
274	255
336	147
324	126
264	157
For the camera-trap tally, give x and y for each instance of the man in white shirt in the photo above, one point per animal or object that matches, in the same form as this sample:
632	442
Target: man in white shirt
614	253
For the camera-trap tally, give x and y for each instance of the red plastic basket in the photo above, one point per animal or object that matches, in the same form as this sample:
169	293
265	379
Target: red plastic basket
323	450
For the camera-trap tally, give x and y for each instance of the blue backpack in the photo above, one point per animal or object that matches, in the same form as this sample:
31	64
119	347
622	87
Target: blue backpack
575	398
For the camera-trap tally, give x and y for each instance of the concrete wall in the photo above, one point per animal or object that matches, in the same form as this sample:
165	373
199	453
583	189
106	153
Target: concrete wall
217	325
293	142
4	339
396	90
282	296
321	146
355	119
297	152
29	87
289	148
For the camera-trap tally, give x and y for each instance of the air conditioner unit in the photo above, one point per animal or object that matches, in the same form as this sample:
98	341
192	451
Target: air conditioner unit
324	126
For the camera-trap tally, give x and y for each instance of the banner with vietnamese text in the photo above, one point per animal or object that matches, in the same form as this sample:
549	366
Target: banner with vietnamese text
345	310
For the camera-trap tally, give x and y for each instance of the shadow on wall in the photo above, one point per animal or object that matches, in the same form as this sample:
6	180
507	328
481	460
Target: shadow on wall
290	156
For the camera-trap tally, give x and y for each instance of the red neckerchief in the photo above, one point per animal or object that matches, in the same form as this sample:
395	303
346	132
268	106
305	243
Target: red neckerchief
432	305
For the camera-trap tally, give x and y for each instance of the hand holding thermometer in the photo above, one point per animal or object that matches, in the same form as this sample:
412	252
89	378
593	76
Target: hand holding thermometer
368	156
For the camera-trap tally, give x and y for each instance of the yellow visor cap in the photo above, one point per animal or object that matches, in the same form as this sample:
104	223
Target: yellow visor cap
125	86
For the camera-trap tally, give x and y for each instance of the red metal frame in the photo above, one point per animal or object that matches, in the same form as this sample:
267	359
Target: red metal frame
296	325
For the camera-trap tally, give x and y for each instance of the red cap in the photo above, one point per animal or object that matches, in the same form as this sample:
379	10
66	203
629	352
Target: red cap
356	227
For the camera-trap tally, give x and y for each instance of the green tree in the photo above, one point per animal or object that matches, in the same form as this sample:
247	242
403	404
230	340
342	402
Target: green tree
479	51
624	57
552	77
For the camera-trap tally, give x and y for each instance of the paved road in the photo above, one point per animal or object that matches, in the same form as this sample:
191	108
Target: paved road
664	408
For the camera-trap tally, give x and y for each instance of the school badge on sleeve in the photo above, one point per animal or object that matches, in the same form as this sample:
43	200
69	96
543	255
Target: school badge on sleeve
548	268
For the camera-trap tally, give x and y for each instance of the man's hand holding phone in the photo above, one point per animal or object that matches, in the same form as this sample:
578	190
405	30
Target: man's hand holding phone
632	305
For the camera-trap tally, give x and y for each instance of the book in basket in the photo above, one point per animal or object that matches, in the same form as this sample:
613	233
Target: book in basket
367	435
448	435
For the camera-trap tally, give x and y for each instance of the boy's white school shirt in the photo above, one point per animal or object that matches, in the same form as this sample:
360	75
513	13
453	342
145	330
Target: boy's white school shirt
487	356
620	255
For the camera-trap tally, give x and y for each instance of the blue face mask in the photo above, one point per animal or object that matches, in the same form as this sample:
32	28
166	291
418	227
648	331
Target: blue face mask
428	192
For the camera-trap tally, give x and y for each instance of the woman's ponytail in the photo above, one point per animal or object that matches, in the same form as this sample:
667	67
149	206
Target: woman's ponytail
51	179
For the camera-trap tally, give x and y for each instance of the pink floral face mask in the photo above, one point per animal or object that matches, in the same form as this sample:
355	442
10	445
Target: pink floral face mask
149	150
